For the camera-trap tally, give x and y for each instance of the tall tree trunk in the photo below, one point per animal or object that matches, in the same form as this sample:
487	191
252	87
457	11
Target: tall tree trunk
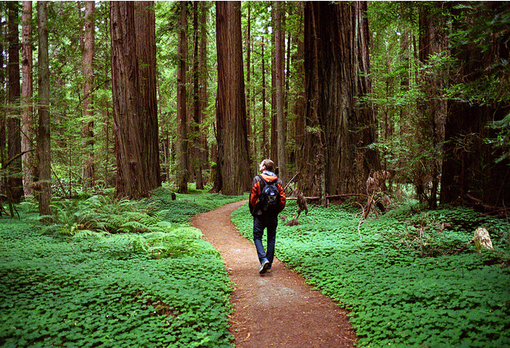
181	103
336	154
432	111
203	68
470	174
233	160
279	82
43	136
88	171
273	111
134	104
265	144
145	27
197	163
27	91
13	163
251	148
298	128
3	101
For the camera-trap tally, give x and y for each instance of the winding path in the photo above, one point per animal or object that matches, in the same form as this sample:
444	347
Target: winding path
277	309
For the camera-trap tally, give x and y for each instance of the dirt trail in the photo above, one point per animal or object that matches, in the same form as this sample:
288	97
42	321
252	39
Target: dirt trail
277	309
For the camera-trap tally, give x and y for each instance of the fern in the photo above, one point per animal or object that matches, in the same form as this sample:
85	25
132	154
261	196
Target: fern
133	226
89	233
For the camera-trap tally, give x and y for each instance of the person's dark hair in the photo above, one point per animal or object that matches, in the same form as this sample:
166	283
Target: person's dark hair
268	164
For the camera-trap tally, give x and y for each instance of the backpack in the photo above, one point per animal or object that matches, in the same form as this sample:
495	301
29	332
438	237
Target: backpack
269	198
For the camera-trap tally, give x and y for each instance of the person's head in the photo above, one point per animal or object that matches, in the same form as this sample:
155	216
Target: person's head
267	164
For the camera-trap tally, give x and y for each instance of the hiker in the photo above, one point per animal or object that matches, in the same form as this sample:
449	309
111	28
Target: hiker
267	200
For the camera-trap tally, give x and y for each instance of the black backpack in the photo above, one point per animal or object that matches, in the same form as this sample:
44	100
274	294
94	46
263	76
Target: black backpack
269	198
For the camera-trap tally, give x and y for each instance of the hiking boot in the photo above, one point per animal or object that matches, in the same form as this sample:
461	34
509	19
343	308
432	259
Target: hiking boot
264	266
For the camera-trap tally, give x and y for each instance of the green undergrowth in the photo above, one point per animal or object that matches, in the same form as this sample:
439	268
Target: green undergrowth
113	274
412	280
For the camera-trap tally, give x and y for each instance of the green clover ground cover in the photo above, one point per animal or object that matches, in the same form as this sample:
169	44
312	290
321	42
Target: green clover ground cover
157	286
404	290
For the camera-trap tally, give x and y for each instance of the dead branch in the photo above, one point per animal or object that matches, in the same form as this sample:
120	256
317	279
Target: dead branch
290	181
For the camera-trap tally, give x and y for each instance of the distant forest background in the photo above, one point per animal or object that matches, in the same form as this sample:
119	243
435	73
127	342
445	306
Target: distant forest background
348	98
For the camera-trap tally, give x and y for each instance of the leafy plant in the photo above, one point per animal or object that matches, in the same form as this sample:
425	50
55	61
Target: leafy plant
91	287
411	281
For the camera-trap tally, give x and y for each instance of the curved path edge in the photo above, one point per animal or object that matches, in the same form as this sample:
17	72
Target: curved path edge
278	309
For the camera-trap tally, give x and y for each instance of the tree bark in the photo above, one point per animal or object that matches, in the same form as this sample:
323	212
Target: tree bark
145	27
233	172
265	144
197	163
88	171
280	81
298	128
470	174
133	90
181	103
43	136
203	77
27	91
13	164
336	152
432	110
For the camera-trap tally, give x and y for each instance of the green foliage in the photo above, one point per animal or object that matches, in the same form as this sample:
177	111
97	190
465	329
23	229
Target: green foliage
502	139
101	214
410	281
164	287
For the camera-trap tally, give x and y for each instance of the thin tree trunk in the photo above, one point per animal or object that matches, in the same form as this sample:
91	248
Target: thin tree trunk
13	164
299	103
27	91
88	171
280	81
3	102
203	67
432	110
197	163
273	111
43	136
181	103
251	148
265	143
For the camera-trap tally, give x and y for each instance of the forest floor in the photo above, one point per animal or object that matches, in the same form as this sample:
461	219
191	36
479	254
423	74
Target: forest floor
276	309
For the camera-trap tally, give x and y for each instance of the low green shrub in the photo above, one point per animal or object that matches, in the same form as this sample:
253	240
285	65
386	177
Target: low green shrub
113	274
412	280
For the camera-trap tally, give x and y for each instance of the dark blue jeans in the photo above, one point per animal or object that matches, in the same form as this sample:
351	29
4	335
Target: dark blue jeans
259	224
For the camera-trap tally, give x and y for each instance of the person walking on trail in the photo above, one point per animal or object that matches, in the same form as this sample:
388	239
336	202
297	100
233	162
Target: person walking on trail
267	200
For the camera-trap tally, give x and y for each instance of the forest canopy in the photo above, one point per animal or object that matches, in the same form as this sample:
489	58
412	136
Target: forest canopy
348	98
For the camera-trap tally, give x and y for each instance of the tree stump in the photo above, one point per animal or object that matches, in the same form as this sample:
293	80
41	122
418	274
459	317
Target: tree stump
482	239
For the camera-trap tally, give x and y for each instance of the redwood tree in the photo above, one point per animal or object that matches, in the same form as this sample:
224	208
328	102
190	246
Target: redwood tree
471	175
429	132
233	167
336	156
27	124
145	27
279	15
182	50
135	139
88	173
13	161
43	135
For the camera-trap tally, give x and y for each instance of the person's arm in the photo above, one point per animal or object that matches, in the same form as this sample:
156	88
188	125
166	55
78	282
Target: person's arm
254	195
283	197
